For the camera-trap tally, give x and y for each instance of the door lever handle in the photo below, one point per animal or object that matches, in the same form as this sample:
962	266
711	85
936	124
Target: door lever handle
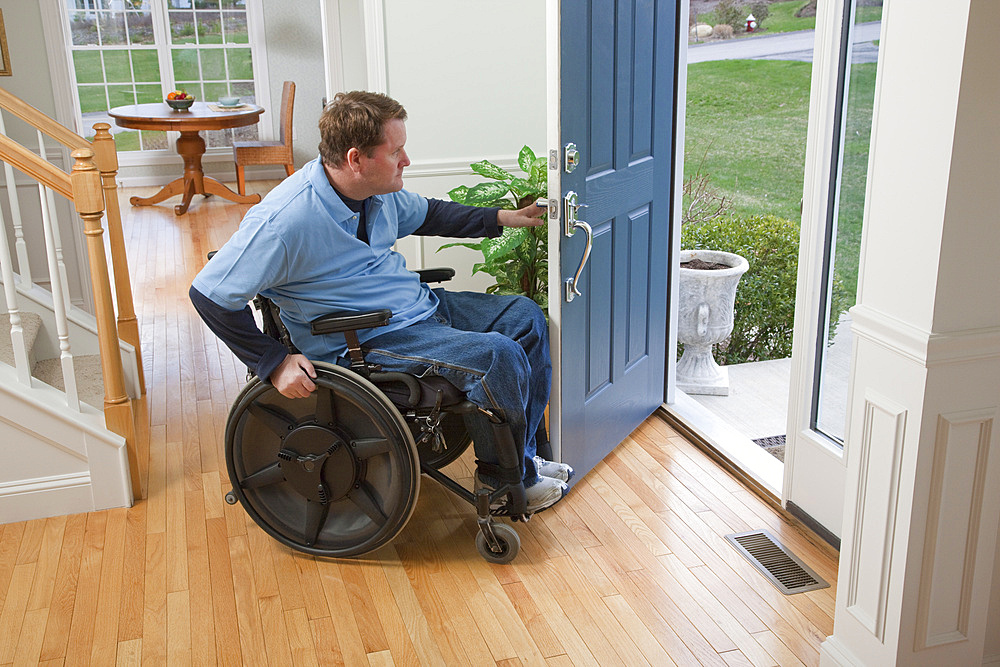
571	285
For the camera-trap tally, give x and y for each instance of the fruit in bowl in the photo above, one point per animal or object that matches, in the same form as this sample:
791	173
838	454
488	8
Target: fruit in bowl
179	100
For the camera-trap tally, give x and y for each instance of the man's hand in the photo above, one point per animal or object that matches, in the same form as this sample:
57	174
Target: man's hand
529	216
293	377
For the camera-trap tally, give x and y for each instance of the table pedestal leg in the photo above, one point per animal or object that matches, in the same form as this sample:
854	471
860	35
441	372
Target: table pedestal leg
191	147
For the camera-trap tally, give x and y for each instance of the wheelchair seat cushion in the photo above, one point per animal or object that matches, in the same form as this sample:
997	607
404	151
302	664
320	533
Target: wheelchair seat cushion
399	393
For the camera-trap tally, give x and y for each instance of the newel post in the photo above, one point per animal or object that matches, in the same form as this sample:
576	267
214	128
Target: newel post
89	202
106	158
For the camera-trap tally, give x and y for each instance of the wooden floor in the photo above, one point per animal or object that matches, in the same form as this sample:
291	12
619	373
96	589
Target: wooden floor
631	568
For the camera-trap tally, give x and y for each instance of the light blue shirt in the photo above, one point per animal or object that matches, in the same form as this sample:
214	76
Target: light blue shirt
299	248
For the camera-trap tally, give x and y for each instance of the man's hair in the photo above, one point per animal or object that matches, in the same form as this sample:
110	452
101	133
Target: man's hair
355	120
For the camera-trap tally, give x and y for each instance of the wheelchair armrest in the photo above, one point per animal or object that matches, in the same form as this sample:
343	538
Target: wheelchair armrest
437	275
341	322
211	254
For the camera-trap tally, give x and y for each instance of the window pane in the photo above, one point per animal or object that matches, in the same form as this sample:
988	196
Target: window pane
192	88
214	91
152	141
92	99
213	64
185	64
127	141
145	65
245	91
209	27
245	133
179	4
116	66
218	138
235	27
140	27
112	27
148	92
83	28
240	64
206	4
181	27
88	66
119	95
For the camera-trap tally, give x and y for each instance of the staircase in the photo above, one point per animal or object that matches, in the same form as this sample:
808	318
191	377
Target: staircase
68	377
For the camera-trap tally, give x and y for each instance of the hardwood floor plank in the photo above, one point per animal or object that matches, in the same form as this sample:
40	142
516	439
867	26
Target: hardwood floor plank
129	653
10	541
29	642
405	599
179	628
781	654
272	620
227	639
31	542
202	615
352	647
64	589
391	619
154	630
300	639
81	630
47	564
130	604
247	610
105	642
12	614
637	631
324	635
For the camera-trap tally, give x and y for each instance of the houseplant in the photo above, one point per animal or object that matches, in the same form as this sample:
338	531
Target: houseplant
519	258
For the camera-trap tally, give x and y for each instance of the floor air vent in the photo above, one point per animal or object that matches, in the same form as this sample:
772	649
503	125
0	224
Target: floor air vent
776	562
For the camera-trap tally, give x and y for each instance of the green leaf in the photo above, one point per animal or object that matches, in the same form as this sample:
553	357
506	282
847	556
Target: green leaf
500	247
525	158
537	170
459	194
485	193
490	170
521	187
472	246
502	203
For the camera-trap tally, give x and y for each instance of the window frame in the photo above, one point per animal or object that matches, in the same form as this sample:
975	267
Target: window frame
58	37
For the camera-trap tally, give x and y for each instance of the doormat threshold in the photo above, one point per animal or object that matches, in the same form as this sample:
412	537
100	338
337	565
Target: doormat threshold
773	445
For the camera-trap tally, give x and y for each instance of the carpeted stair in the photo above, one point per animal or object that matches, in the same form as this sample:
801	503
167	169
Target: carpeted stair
89	380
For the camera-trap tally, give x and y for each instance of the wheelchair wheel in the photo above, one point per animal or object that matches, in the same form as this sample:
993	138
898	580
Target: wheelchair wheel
336	474
507	544
456	441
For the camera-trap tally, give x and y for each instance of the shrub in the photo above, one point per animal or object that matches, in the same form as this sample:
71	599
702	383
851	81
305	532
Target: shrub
765	299
731	12
723	31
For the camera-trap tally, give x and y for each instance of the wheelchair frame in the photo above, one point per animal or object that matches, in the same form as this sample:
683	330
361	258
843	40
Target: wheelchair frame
357	460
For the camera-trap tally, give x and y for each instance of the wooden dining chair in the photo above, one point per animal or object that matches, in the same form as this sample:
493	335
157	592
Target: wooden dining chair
268	152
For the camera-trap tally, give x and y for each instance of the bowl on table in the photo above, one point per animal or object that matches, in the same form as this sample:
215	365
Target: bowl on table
229	101
180	104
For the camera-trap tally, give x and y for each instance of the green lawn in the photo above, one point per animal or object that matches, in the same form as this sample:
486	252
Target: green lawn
781	18
746	128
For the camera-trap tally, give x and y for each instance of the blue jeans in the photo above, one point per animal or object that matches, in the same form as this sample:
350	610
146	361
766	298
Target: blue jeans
494	348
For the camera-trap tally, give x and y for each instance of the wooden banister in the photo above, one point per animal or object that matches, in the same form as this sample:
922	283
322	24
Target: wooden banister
41	170
40	121
106	158
88	198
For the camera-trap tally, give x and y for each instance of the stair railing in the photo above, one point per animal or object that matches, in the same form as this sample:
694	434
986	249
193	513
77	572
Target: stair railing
106	159
83	186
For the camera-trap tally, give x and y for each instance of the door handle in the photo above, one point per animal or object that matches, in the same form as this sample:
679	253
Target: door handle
572	223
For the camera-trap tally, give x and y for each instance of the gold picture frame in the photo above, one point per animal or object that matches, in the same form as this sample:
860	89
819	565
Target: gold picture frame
4	56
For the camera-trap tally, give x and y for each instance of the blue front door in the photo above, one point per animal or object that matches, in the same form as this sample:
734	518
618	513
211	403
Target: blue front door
617	89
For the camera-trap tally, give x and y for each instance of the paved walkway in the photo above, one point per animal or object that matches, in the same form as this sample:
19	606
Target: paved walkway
785	46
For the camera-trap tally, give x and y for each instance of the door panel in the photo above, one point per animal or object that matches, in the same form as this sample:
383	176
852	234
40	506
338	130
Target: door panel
617	92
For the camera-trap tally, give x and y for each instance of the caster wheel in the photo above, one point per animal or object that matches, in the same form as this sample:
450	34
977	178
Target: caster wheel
231	498
508	543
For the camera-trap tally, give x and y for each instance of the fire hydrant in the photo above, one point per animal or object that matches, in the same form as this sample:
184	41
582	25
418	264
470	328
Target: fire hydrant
751	23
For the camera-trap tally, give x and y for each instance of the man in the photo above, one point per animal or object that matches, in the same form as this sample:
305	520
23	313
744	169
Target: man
321	242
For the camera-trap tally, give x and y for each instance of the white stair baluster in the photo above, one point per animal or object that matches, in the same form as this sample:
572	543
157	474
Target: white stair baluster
21	363
20	247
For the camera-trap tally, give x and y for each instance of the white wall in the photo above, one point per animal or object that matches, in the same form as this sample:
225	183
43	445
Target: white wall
30	81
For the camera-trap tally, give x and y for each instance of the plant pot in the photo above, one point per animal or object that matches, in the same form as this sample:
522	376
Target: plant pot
705	317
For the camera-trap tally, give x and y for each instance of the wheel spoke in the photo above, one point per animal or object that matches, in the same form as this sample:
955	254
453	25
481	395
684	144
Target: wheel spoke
270	474
369	447
316	514
365	501
274	420
326	412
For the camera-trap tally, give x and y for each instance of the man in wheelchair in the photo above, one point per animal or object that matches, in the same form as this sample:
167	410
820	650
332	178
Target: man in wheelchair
321	242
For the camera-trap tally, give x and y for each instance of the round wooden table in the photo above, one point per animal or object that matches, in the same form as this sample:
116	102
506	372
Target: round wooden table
190	145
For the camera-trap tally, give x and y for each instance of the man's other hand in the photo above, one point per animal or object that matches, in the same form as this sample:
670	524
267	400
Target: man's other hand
294	377
529	216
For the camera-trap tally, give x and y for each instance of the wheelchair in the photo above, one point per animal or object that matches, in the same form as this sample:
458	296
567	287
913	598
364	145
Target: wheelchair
337	474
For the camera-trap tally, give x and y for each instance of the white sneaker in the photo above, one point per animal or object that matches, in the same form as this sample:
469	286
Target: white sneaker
546	493
560	471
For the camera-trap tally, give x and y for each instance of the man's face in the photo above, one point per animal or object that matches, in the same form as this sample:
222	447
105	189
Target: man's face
383	171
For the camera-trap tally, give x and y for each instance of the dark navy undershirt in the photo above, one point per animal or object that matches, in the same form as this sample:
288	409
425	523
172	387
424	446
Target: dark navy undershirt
261	353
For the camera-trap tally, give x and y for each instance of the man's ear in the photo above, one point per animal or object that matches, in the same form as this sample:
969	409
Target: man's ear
353	159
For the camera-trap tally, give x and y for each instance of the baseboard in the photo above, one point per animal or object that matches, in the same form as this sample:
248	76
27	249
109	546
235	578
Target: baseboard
813	525
27	499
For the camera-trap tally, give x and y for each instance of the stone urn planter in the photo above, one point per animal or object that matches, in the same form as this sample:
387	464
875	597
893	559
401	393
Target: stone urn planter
707	297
